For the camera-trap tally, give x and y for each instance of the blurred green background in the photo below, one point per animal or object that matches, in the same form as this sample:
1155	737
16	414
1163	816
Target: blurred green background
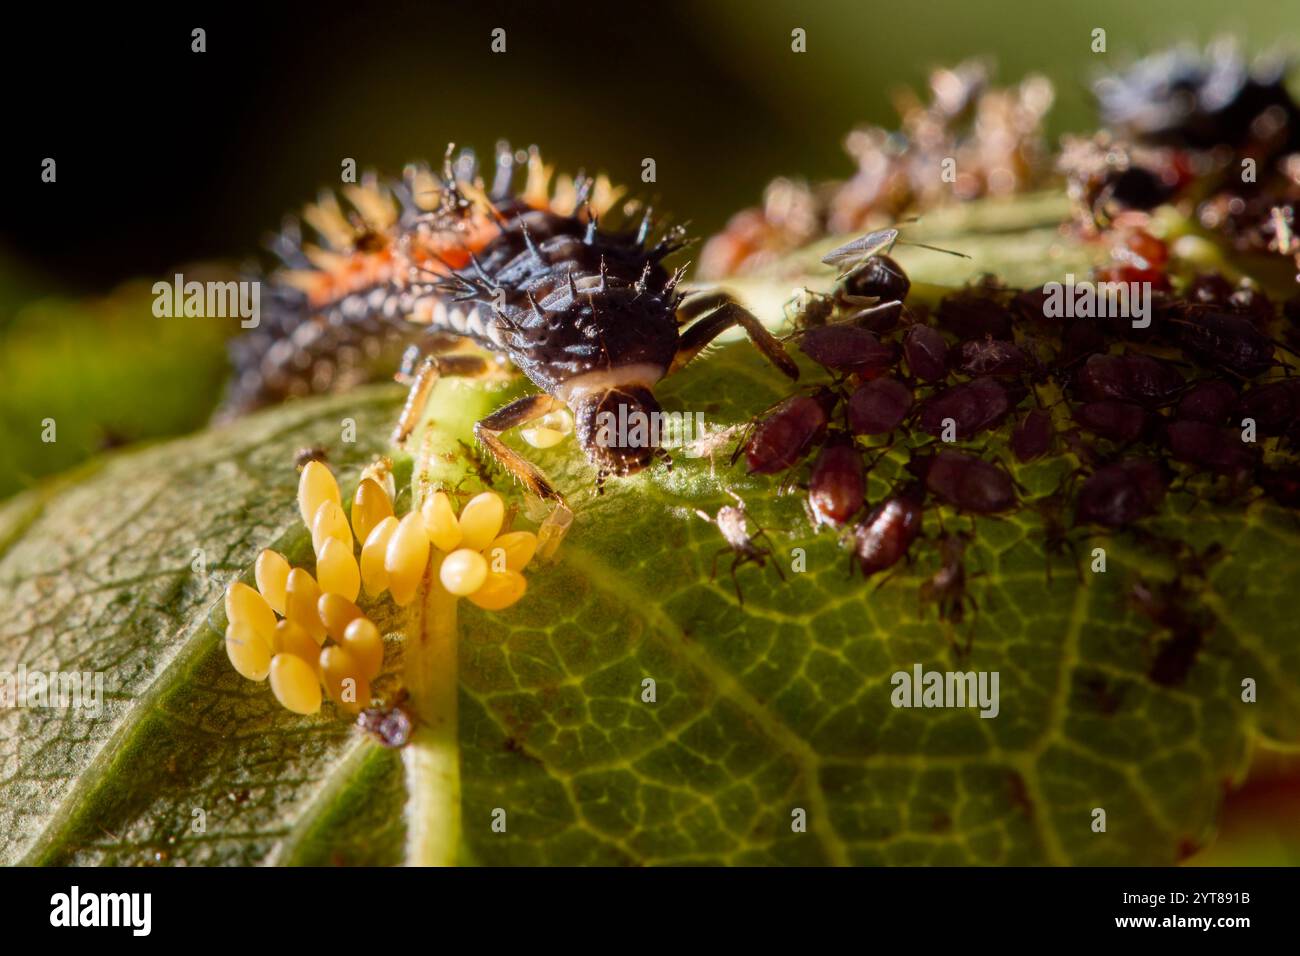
167	158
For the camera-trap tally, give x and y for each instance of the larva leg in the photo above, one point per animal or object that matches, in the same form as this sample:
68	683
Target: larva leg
697	305
519	412
431	368
438	343
730	312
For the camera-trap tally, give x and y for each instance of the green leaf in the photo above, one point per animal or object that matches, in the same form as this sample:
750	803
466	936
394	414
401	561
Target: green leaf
762	709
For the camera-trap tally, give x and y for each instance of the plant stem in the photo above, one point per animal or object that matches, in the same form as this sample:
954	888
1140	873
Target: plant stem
432	757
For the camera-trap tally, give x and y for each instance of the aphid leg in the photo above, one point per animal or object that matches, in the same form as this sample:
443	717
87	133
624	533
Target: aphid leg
726	312
519	412
431	368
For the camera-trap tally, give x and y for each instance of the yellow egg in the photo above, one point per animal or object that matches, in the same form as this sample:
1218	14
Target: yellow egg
361	639
248	651
289	638
500	590
337	571
301	595
512	551
539	436
463	571
330	522
440	522
316	486
373	573
336	613
295	684
246	606
406	558
480	520
343	679
272	572
370	506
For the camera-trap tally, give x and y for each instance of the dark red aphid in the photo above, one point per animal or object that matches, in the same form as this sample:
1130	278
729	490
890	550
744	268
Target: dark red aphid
881	539
785	436
992	357
1210	401
1032	438
1227	341
1210	288
1171	607
1274	406
926	352
879	277
965	482
1253	304
846	348
1119	421
1121	493
1220	450
972	407
970	315
879	406
1132	377
838	486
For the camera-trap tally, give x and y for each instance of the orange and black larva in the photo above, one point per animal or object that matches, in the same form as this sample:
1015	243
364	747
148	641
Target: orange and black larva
590	315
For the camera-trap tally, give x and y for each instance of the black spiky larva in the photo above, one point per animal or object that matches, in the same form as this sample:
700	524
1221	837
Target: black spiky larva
590	315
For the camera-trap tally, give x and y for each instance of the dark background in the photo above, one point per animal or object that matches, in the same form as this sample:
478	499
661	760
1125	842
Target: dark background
166	156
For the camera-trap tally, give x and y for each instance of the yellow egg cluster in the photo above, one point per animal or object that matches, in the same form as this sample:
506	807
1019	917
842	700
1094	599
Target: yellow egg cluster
306	633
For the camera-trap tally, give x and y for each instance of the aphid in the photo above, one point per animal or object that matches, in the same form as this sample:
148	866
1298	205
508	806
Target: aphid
733	524
878	406
947	586
1032	438
992	356
1228	341
878	277
1132	377
1210	401
859	252
838	485
926	352
295	684
965	482
884	536
391	726
1121	422
972	406
847	348
1171	607
1209	446
1184	98
589	315
1282	485
1121	493
1274	406
974	314
783	437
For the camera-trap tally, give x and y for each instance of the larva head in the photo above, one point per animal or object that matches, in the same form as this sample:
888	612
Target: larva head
618	428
